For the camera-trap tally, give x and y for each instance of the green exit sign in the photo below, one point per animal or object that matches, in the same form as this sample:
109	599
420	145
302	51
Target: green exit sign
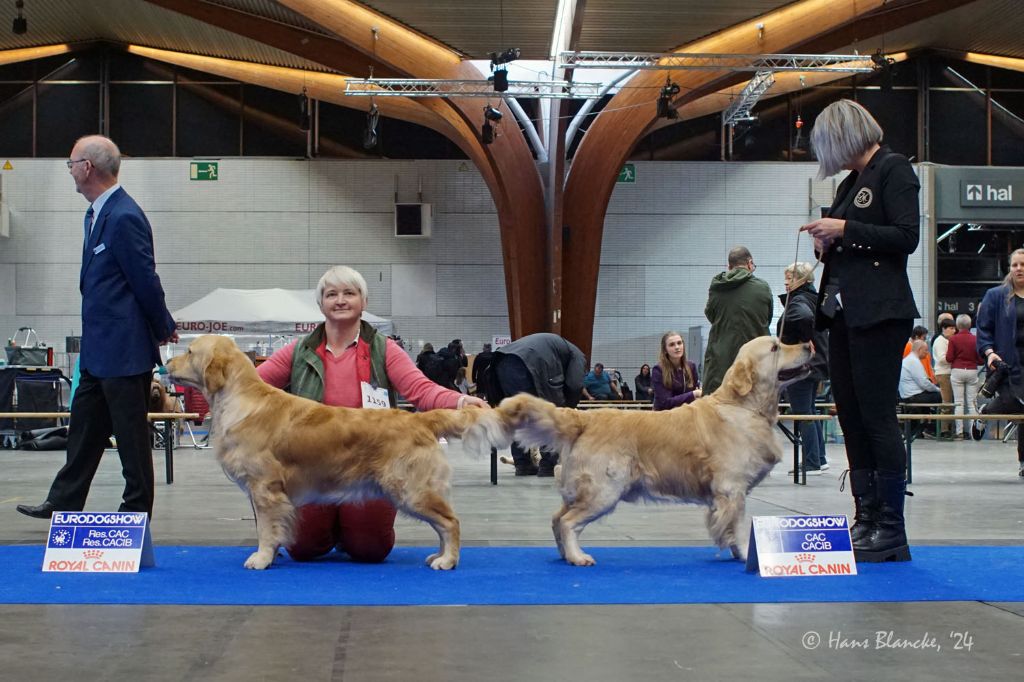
202	170
627	174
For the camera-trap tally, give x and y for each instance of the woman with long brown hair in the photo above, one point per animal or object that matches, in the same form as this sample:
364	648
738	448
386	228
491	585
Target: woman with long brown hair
674	378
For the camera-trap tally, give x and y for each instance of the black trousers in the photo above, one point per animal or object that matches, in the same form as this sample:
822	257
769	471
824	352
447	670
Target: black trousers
115	406
864	363
1005	402
513	378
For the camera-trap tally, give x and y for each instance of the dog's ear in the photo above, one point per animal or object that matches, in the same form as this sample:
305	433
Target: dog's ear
215	374
743	376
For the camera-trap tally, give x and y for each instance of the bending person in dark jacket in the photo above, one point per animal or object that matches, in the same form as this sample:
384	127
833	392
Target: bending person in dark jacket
866	303
544	365
797	326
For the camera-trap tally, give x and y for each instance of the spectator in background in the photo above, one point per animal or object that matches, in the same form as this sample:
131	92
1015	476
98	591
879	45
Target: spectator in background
962	355
452	356
480	364
1000	343
796	325
739	309
942	369
915	386
938	332
461	384
544	365
674	378
642	382
598	385
921	333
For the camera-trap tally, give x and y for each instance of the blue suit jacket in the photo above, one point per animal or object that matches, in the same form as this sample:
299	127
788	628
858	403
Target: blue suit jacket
124	316
997	328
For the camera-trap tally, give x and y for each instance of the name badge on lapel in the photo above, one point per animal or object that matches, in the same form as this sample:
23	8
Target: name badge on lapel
99	249
374	398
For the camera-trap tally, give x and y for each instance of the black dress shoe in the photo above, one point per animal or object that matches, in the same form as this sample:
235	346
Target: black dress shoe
43	511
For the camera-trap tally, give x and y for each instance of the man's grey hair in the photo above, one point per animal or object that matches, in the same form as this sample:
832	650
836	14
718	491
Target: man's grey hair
841	133
739	255
918	345
102	153
340	276
963	321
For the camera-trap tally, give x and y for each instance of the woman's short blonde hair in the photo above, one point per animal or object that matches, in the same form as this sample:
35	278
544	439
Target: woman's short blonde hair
841	133
800	271
340	276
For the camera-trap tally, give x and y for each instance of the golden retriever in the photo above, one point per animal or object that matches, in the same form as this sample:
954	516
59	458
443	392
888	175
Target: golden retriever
285	451
711	452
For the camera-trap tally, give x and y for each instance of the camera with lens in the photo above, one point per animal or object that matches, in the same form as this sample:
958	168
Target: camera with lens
996	376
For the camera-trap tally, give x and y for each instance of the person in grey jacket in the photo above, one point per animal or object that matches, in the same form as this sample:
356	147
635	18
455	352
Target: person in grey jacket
544	365
739	309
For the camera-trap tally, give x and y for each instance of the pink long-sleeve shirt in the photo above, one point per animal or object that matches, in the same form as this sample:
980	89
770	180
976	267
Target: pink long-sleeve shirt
341	383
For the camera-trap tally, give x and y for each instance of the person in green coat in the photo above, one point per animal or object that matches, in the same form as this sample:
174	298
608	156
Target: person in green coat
739	309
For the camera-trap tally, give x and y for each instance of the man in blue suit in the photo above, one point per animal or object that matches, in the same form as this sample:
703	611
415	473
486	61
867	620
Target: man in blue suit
124	321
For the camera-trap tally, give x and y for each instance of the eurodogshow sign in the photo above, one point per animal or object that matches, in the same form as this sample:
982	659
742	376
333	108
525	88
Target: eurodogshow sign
785	546
98	542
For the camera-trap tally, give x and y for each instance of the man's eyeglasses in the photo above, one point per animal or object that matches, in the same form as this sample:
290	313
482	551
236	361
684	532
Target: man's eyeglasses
72	162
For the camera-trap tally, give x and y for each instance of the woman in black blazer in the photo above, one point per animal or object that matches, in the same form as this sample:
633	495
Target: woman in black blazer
866	302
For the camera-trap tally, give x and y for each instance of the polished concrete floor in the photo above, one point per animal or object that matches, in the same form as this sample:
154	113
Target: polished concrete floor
965	492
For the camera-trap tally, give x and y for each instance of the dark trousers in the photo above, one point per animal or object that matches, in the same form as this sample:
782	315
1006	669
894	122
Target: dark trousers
513	378
1005	402
923	398
864	363
115	406
812	436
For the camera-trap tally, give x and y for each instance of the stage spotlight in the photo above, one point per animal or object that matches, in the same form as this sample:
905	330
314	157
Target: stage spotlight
370	134
487	133
500	79
509	55
20	25
885	66
492	114
303	111
665	109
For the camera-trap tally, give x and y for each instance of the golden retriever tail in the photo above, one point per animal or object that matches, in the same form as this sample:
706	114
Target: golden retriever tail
536	423
479	429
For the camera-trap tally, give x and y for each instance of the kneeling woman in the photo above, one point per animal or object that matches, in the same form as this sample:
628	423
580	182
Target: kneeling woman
338	364
674	379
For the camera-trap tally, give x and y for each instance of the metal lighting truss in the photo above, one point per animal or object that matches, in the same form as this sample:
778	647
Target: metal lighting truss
415	87
852	63
741	107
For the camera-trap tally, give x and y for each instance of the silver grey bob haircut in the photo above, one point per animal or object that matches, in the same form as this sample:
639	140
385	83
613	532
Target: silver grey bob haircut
842	132
339	276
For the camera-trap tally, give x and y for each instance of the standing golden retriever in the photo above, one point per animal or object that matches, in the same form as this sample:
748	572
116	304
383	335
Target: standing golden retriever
285	451
711	452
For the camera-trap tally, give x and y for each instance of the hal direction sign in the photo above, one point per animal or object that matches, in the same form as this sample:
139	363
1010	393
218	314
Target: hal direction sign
202	170
1001	192
627	174
98	542
785	546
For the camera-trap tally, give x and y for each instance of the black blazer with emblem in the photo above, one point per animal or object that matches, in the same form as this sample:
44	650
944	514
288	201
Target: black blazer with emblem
869	263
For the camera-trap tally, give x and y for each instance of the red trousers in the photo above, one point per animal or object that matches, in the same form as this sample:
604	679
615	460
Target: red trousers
365	531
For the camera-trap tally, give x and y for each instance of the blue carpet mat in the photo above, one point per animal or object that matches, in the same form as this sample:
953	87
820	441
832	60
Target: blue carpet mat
511	575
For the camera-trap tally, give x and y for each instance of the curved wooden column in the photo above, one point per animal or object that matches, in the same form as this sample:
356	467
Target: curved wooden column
507	165
631	113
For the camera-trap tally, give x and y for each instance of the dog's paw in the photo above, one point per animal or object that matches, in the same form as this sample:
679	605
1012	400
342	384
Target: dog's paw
581	559
440	562
259	561
737	553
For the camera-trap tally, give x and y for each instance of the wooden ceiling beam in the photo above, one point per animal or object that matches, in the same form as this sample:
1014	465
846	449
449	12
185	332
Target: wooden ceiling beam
26	54
309	45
